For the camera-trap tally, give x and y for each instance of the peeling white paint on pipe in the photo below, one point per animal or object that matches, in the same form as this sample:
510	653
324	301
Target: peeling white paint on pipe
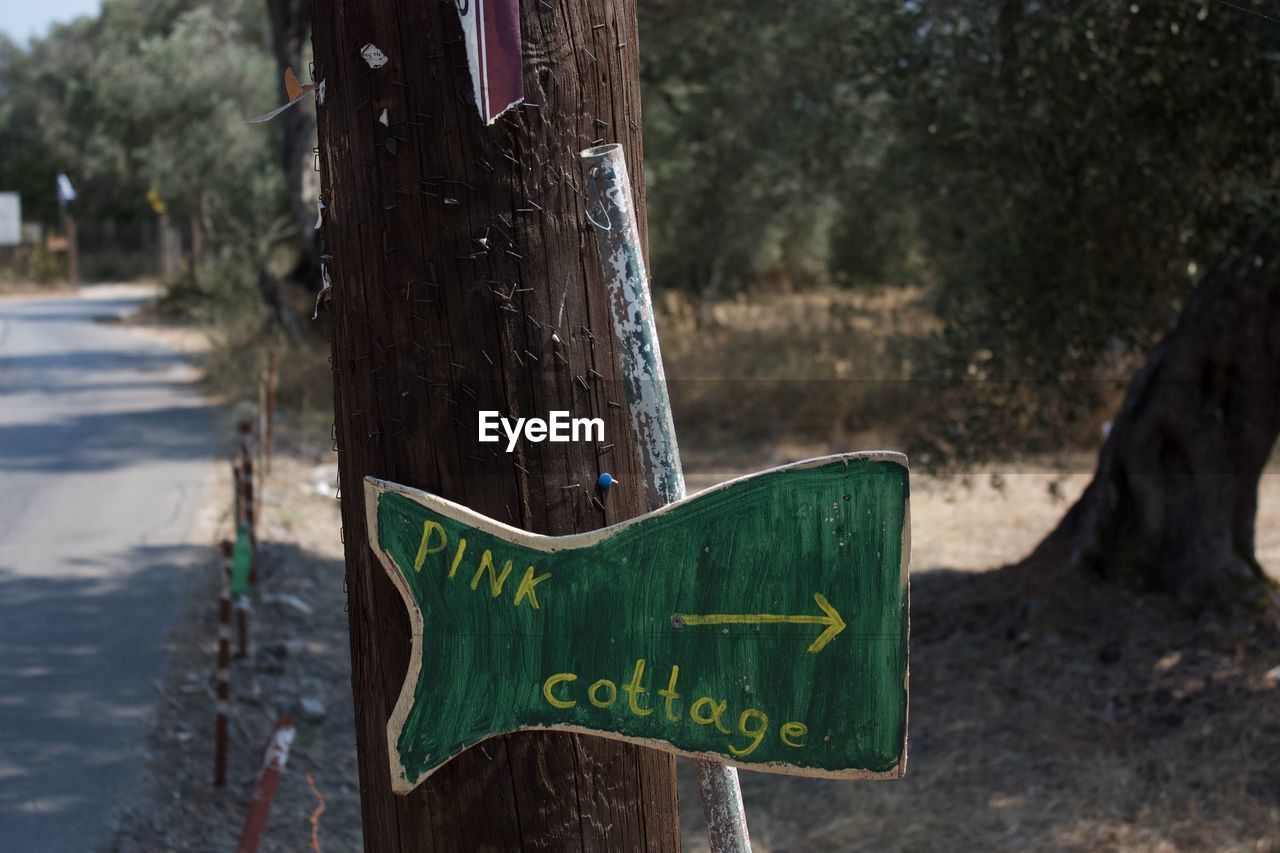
612	212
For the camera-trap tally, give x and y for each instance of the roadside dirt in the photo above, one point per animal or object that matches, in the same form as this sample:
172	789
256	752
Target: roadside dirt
15	287
299	630
1048	712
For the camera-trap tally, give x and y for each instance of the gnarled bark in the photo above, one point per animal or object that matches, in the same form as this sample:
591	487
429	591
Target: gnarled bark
290	29
1172	504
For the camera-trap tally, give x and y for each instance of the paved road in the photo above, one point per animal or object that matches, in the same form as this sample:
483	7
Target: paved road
105	452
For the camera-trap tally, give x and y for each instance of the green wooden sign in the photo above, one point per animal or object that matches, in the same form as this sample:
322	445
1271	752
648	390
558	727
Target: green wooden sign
762	623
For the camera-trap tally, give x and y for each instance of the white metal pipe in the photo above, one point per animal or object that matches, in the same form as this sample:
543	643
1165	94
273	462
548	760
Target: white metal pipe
612	212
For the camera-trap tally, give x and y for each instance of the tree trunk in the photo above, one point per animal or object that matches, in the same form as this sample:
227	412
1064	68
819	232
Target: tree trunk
465	278
195	223
1172	503
290	22
73	250
169	254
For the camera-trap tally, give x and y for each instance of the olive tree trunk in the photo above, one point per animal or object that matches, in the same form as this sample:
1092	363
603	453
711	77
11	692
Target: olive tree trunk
290	28
1173	501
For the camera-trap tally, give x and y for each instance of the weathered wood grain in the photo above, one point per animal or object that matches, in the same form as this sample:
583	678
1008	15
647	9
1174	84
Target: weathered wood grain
455	252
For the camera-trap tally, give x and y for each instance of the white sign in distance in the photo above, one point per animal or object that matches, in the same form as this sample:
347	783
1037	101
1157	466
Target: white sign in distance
10	219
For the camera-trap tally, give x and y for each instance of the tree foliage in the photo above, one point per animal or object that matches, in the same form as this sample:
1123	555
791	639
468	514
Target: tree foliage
1082	165
176	105
766	130
1057	173
149	96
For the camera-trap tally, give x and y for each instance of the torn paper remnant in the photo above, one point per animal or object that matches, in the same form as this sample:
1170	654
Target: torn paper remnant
372	55
292	87
491	30
295	92
326	290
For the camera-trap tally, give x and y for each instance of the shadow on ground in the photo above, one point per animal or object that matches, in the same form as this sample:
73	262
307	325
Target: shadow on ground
299	629
101	441
76	702
1049	712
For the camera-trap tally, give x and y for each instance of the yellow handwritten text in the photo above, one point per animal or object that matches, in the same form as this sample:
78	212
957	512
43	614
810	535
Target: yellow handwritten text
526	588
751	731
495	580
633	689
793	734
669	695
435	540
717	711
549	685
594	693
424	548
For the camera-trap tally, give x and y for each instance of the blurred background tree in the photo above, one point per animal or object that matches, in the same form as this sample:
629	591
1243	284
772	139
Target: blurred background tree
1076	168
767	128
175	105
1057	174
1053	177
151	98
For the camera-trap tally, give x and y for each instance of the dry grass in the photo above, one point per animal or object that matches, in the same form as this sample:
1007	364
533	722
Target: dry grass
1052	714
22	287
1048	712
813	367
863	368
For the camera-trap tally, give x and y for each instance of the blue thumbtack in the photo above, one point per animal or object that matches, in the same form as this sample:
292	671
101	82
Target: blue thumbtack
606	480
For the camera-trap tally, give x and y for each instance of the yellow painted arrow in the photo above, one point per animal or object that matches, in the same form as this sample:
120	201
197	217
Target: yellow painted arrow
832	620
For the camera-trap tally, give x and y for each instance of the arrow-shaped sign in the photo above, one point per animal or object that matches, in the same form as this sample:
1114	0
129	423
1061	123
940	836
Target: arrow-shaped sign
831	619
671	629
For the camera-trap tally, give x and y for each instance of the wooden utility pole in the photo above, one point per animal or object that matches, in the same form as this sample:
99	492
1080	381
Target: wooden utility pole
465	278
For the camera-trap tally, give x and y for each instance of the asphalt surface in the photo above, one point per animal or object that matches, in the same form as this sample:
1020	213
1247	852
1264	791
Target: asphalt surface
106	450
